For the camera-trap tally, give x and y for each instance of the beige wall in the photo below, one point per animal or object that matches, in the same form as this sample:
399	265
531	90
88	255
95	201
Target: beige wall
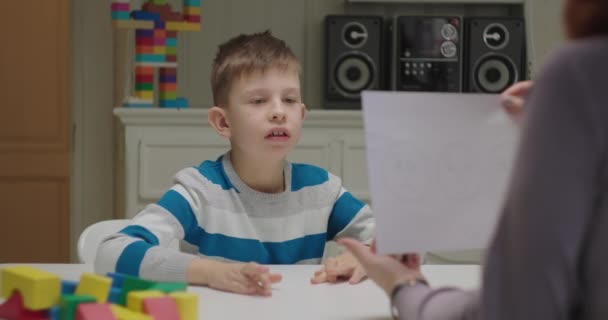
299	22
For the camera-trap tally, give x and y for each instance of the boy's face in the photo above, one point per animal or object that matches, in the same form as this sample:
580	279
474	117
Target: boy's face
265	113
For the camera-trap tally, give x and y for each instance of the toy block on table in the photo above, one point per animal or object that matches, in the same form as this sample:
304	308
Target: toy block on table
94	311
54	313
69	302
131	283
94	285
40	289
114	296
135	299
168	287
13	309
68	287
187	304
161	308
122	313
117	279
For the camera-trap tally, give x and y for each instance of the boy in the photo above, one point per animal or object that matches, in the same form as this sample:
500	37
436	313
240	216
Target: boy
250	205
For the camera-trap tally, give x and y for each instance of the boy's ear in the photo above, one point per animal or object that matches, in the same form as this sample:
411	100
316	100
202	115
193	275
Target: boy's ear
217	119
303	111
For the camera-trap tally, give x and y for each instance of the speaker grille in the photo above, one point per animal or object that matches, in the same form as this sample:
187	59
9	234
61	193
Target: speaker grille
353	62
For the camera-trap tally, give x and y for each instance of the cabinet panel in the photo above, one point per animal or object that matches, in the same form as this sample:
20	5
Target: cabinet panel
161	157
354	167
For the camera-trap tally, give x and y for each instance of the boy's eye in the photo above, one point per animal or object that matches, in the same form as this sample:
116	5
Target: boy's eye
257	101
290	100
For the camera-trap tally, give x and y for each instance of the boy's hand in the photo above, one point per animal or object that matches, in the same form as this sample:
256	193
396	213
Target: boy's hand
386	271
245	278
342	267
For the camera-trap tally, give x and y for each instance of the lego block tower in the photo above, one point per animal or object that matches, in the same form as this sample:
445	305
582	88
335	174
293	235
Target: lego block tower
156	26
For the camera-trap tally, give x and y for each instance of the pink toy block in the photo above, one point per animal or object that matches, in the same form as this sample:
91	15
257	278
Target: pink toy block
161	308
94	311
13	309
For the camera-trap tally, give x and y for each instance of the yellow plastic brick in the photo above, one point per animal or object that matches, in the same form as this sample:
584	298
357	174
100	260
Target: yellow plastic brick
122	313
187	304
135	299
95	285
40	289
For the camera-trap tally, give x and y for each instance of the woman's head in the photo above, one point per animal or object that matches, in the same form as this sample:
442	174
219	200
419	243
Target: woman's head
585	18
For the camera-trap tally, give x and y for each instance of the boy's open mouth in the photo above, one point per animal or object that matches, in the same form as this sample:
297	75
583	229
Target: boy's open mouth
277	134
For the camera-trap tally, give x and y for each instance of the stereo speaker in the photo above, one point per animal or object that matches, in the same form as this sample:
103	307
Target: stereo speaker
353	59
495	54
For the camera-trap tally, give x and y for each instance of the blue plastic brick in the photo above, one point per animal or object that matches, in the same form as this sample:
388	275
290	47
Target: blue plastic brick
54	313
68	287
144	33
159	24
117	279
114	295
143	15
177	103
167	78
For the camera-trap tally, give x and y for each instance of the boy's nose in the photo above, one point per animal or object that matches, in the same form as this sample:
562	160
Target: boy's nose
278	111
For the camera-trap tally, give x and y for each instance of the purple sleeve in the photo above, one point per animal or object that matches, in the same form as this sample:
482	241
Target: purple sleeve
422	302
532	269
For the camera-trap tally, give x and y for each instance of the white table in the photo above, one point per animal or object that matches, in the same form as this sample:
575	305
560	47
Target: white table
295	298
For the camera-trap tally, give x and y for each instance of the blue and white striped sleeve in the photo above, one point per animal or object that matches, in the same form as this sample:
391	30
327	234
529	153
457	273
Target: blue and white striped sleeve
148	247
351	217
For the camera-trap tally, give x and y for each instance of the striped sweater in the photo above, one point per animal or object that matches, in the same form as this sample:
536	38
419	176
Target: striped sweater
212	213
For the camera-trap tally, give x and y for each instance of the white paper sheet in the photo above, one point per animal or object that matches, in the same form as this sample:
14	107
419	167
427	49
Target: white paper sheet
438	165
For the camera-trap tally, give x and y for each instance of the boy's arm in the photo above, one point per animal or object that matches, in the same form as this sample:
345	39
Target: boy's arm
147	247
351	217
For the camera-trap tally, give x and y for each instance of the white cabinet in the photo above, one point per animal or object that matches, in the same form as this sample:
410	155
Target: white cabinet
160	142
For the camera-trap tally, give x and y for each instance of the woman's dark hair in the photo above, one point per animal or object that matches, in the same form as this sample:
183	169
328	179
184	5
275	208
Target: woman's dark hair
585	18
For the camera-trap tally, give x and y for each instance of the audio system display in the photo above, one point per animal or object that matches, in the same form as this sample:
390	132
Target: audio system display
427	54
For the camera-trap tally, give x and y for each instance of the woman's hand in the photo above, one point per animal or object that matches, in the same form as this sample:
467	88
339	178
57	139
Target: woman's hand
514	97
386	271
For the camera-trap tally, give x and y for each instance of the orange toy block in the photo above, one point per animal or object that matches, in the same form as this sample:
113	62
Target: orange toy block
94	285
40	289
135	299
94	311
122	313
187	304
161	308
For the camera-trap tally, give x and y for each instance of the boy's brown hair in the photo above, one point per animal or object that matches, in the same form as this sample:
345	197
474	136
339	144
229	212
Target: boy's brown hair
245	54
